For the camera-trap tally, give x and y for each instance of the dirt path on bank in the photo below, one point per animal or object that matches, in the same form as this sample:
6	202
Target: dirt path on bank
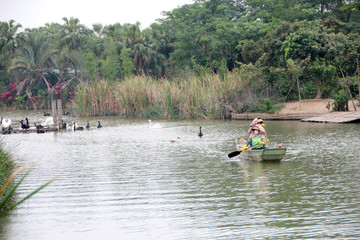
318	106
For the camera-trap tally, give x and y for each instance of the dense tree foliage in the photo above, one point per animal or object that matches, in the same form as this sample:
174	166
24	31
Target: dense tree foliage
283	50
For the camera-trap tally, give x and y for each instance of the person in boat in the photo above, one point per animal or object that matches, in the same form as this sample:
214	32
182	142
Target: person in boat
259	123
255	140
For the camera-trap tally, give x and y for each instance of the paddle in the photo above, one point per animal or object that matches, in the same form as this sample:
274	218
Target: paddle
234	154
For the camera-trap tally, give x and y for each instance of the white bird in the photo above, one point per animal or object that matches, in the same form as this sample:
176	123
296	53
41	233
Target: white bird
49	121
156	125
5	126
177	140
6	123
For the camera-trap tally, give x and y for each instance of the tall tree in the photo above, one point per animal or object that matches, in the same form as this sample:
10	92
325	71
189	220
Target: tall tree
110	66
127	65
296	70
205	32
8	41
33	64
98	29
74	35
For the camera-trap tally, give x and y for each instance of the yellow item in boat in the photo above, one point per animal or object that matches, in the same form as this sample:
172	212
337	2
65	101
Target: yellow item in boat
244	148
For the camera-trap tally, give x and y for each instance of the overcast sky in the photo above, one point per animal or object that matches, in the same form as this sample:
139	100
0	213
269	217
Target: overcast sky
36	13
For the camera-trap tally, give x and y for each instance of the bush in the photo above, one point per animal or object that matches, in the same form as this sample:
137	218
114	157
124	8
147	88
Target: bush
265	106
341	101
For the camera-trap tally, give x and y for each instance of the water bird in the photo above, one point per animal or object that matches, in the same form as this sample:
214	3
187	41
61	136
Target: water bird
5	126
48	121
27	122
156	125
99	125
75	127
6	130
63	124
39	128
22	124
66	113
200	133
38	125
5	123
177	140
88	125
26	125
46	114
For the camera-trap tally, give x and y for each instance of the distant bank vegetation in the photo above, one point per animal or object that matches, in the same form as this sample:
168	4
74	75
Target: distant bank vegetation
249	55
145	97
193	98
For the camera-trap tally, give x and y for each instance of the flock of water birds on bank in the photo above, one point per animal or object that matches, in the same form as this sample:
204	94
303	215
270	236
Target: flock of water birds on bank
48	125
42	126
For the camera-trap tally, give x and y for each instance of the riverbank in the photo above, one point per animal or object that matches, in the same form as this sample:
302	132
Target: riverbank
296	110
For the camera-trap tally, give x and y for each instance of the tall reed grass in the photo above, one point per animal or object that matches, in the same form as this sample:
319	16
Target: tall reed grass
143	97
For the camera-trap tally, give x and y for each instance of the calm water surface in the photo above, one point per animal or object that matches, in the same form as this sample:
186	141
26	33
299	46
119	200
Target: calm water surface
126	181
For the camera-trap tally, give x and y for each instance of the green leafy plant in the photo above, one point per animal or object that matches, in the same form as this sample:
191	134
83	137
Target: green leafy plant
8	189
265	106
341	99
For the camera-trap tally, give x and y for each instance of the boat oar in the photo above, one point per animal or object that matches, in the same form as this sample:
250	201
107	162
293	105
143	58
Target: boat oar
234	154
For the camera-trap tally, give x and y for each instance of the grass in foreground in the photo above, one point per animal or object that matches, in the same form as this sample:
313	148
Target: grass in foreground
8	185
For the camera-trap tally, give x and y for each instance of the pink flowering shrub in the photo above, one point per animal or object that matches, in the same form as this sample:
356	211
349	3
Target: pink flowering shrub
62	93
9	95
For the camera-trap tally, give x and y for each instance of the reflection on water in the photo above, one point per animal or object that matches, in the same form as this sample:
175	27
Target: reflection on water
128	181
255	178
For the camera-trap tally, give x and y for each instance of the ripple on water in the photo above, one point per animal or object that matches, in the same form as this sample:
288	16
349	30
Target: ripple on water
126	179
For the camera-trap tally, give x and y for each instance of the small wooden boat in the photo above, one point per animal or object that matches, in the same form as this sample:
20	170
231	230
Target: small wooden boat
266	154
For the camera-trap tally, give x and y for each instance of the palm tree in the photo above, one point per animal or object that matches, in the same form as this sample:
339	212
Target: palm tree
143	46
113	31
70	66
74	35
41	63
8	41
33	64
351	6
98	29
142	56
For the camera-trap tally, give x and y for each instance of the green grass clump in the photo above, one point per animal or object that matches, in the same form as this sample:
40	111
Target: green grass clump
6	168
8	185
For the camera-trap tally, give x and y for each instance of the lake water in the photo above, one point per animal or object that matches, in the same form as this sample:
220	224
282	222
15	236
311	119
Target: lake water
126	181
